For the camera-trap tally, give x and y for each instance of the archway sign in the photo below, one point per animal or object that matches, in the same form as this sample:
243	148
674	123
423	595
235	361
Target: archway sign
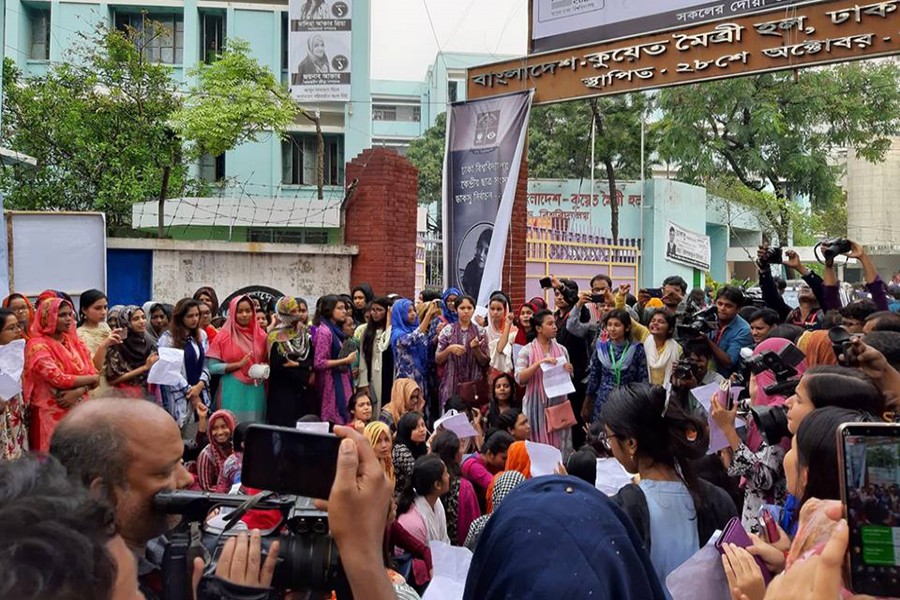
682	41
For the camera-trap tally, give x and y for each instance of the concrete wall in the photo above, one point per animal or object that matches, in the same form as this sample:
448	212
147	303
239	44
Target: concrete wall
180	267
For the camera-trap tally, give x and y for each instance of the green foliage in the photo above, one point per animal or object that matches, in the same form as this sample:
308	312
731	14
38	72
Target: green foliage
776	132
427	155
105	126
559	137
97	127
235	101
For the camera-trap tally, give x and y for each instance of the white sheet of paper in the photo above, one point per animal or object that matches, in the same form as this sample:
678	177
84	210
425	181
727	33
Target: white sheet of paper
557	381
544	458
704	395
611	476
516	348
9	387
451	568
312	427
481	311
12	359
167	370
458	423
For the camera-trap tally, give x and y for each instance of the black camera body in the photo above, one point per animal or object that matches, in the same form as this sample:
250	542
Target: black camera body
833	248
771	256
771	421
683	369
700	324
308	558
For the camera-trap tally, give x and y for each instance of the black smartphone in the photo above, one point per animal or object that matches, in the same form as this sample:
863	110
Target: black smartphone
287	461
868	457
546	283
597	298
655	292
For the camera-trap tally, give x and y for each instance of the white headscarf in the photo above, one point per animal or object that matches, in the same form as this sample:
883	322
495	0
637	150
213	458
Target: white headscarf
435	519
663	358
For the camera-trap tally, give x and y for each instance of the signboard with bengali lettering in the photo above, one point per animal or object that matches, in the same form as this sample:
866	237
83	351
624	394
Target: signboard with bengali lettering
319	43
557	24
807	35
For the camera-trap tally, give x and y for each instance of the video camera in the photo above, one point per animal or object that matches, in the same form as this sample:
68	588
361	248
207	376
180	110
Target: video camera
771	421
308	558
699	324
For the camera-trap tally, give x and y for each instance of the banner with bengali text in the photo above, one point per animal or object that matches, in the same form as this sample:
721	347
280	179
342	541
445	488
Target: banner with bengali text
484	146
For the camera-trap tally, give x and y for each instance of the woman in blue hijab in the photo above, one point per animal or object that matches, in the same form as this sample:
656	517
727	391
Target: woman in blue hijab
409	340
448	304
559	537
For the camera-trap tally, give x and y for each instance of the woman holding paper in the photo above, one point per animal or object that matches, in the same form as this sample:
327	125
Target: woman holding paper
128	363
238	346
58	371
13	430
543	350
462	349
185	333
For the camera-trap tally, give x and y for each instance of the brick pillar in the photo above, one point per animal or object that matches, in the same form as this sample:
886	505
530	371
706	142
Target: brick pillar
381	221
514	263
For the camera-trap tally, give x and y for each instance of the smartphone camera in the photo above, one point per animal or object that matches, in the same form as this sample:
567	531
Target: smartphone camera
546	283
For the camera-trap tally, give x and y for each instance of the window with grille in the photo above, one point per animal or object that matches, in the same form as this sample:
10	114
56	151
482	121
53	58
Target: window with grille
39	23
160	36
299	152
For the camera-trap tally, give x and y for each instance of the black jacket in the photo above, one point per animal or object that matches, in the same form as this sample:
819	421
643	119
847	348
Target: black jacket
718	511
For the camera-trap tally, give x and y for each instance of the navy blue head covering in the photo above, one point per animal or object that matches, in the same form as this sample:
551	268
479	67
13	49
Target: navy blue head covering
559	537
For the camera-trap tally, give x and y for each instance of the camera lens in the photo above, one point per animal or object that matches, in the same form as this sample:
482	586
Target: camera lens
310	561
772	423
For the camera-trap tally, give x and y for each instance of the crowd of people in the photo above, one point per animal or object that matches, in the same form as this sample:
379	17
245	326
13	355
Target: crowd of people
384	370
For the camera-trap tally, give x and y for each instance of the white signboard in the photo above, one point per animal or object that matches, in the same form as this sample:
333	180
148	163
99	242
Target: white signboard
687	247
319	59
557	24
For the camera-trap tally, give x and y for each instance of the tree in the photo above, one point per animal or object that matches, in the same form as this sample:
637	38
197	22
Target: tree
97	127
427	155
778	132
560	141
110	129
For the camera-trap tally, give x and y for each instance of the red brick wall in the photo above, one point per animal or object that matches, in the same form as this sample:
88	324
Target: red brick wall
514	263
381	221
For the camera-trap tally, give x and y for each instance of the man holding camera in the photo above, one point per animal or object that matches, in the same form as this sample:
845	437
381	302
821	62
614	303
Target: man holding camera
732	332
809	314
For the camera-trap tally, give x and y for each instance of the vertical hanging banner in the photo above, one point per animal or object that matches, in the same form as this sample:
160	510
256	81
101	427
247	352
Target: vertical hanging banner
484	147
319	50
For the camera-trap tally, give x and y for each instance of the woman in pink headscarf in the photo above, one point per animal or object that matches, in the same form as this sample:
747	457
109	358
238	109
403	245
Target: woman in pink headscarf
757	462
238	346
59	371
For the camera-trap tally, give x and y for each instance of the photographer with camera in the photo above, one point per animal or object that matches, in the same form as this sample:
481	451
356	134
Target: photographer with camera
809	314
732	332
830	250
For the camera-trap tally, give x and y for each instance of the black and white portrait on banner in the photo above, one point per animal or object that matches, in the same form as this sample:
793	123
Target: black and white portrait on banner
687	247
485	142
320	50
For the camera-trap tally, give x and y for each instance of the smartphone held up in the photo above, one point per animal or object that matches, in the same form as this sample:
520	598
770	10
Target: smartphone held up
869	459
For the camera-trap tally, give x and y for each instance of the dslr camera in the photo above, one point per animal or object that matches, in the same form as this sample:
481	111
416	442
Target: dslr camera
308	558
771	421
698	325
832	248
771	256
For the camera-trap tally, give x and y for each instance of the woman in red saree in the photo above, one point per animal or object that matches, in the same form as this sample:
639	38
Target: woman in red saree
58	372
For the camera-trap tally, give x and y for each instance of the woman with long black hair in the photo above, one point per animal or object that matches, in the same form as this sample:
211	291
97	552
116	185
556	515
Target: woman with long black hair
333	378
376	365
674	512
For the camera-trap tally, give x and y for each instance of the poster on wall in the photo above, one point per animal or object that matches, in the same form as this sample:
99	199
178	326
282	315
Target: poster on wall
484	146
319	46
687	247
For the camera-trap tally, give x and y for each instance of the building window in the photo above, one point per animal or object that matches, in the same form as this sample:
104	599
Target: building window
212	36
382	112
160	36
402	113
212	168
452	91
39	22
299	159
284	41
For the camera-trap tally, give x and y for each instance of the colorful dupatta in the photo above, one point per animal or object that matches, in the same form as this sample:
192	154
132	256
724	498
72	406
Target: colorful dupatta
234	342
